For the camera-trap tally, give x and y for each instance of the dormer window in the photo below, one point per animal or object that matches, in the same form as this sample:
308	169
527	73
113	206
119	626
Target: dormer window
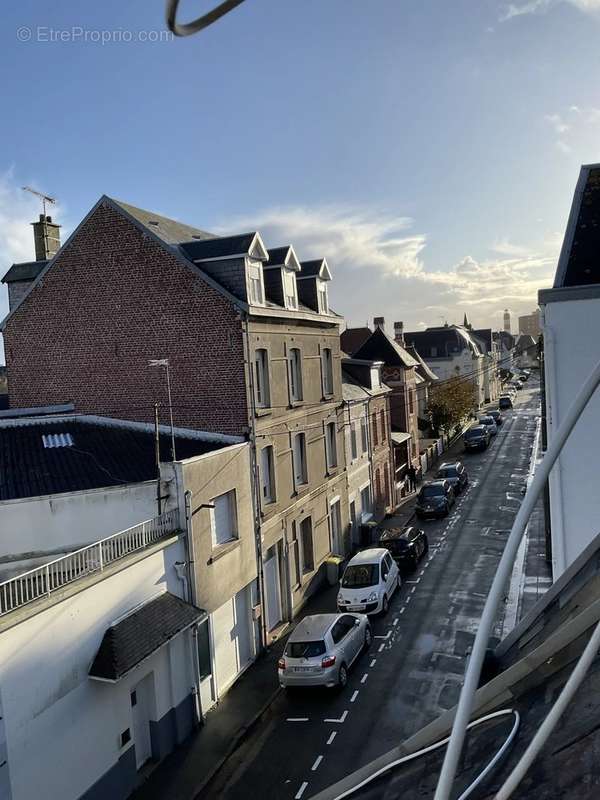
323	299
289	289
256	291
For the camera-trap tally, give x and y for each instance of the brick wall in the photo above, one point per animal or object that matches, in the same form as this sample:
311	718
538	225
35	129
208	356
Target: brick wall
381	455
114	299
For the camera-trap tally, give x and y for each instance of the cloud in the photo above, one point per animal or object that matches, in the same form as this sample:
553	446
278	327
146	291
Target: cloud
378	267
557	122
581	124
512	10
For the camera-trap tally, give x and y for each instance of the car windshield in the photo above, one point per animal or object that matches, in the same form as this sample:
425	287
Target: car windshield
361	575
474	433
447	472
486	420
432	491
305	649
395	545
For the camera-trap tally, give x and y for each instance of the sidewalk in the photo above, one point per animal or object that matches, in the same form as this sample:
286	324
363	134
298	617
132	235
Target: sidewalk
185	773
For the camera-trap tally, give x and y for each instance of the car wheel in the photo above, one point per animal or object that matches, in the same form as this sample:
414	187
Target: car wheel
342	677
426	547
368	637
385	605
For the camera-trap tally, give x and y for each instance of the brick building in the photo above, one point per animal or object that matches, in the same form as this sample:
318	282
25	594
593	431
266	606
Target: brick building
253	350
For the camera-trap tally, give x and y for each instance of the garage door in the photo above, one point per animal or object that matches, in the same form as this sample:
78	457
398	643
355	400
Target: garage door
232	638
272	590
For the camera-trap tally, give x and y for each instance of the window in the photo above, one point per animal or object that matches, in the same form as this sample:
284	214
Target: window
261	366
299	459
353	441
267	475
323	299
359	576
295	553
382	420
378	485
331	445
364	434
375	435
308	559
289	289
342	628
411	401
295	368
327	371
365	501
255	283
203	643
305	649
224	518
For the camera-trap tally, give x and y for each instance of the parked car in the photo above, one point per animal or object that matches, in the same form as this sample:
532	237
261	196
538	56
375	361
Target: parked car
476	438
515	385
497	417
505	402
369	581
435	499
489	423
406	545
322	648
455	473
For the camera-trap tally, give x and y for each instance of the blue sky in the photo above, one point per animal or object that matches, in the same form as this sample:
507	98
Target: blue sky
428	148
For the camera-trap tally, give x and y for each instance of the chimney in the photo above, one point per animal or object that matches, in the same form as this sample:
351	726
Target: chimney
379	322
46	236
399	332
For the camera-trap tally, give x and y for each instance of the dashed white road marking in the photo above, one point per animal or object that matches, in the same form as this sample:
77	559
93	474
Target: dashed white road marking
387	636
297	719
364	677
381	646
402	610
413	589
395	622
373	662
411	581
341	719
315	766
354	696
332	737
301	791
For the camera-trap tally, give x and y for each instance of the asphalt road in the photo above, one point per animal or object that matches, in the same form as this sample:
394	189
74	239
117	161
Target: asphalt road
311	738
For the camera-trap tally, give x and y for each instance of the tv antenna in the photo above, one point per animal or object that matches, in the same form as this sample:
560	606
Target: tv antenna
43	197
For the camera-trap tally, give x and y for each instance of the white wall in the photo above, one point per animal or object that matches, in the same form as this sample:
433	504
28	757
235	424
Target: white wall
36	526
63	729
572	349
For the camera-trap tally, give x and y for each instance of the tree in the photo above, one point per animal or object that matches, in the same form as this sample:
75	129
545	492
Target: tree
450	402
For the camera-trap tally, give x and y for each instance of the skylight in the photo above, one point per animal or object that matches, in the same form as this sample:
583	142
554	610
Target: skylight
51	440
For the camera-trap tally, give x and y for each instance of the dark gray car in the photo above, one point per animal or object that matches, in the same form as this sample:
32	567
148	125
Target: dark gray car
455	473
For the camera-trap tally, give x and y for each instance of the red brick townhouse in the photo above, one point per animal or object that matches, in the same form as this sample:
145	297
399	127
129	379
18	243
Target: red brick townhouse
253	349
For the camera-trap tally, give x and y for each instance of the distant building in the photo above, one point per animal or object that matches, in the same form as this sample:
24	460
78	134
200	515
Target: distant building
507	320
530	324
491	366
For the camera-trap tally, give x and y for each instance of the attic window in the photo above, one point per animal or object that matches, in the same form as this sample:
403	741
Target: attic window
51	440
197	236
153	222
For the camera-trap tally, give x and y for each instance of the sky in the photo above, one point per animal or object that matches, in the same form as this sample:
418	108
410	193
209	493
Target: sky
428	149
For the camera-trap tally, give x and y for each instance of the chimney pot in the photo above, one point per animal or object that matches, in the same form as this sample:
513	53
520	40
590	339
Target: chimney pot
399	332
46	236
379	322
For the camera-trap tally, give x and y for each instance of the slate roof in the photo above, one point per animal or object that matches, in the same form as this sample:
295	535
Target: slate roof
353	338
219	248
312	267
128	642
101	455
277	256
578	263
26	271
485	334
352	391
381	347
423	371
526	342
169	230
447	340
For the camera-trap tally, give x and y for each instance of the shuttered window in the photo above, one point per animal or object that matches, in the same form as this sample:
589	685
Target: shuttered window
224	518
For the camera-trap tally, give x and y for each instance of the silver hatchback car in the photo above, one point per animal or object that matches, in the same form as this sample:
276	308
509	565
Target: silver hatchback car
322	648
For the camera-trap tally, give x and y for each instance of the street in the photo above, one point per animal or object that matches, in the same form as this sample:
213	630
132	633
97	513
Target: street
413	671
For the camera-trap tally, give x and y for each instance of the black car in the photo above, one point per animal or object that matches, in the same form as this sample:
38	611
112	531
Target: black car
455	473
497	416
505	402
476	438
435	499
406	545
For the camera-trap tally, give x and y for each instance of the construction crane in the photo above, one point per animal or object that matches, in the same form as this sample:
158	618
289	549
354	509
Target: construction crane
43	197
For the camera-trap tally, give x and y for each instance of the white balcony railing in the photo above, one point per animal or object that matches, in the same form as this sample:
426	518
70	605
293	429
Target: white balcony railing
42	581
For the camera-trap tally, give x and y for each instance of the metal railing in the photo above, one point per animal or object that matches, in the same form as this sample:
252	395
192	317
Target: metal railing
42	581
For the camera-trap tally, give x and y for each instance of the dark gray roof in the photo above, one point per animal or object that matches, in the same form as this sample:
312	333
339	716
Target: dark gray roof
26	271
526	342
445	341
425	372
381	347
578	263
312	267
277	255
218	248
169	230
485	334
101	455
128	642
353	338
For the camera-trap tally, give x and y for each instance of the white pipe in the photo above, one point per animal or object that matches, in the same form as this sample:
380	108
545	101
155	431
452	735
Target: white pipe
557	710
472	674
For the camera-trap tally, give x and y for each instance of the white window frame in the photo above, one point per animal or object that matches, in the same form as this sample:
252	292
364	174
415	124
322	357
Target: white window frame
256	287
267	476
353	442
299	460
261	373
231	497
364	433
290	290
304	567
323	298
327	371
295	374
366	513
331	445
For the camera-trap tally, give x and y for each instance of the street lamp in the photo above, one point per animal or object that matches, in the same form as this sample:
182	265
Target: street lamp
164	362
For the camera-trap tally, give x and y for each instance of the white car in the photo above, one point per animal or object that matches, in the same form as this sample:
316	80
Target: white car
369	581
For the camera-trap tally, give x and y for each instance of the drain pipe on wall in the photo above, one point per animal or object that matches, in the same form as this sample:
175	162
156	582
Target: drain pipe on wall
190	563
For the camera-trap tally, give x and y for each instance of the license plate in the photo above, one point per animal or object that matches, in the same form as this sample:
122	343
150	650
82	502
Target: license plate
356	608
303	669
